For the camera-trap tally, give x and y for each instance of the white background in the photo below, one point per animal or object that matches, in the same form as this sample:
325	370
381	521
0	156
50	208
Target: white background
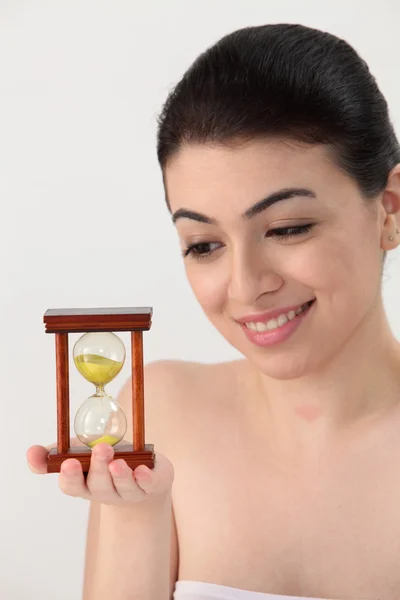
83	220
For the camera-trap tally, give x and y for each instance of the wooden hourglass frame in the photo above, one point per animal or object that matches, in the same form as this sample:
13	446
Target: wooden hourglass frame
61	322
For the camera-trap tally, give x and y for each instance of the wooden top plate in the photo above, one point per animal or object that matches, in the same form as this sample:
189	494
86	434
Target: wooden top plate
68	320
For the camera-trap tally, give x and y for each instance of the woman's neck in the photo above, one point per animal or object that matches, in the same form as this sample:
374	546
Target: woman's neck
359	385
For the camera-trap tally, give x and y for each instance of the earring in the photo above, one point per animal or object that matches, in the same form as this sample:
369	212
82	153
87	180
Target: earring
391	238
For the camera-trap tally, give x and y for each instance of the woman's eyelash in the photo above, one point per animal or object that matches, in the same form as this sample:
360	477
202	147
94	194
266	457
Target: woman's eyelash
291	231
202	250
199	250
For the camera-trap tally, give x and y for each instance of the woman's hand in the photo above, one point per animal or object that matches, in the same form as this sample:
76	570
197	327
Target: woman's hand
108	481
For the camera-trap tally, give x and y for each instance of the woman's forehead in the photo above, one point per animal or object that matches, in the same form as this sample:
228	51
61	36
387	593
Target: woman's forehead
206	174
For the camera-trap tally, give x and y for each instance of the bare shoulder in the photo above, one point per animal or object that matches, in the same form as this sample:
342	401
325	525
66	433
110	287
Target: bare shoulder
175	392
180	382
182	373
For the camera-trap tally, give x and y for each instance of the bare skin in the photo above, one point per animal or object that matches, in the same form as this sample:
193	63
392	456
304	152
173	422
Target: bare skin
287	480
255	516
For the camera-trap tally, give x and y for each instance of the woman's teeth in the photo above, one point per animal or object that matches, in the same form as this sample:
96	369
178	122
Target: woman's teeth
279	321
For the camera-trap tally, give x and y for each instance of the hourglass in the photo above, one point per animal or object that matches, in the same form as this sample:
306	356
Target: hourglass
99	355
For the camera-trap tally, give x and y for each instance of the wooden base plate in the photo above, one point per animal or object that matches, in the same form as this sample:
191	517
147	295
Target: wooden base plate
133	458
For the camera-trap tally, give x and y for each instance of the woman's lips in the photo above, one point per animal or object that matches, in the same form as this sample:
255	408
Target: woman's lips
280	334
272	314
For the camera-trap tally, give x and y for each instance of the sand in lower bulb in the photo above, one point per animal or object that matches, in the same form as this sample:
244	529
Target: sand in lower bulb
100	419
107	439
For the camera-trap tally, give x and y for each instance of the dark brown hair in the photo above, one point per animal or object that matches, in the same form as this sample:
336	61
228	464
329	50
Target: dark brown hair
284	80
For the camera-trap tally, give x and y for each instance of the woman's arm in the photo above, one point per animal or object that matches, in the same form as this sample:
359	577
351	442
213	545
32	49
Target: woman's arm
132	552
128	552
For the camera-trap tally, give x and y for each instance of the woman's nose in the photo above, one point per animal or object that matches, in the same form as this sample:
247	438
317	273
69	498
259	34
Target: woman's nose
250	277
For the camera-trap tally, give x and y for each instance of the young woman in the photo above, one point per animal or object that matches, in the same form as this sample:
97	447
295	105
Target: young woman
277	475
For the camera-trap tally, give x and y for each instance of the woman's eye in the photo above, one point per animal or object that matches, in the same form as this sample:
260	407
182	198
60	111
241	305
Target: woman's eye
287	232
201	250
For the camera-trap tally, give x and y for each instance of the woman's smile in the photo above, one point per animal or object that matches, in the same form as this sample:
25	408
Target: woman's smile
277	331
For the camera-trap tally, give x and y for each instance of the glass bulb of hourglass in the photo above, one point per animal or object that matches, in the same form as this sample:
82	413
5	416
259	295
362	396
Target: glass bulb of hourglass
100	419
99	357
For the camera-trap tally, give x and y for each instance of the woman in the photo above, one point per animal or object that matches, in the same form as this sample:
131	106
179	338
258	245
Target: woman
282	174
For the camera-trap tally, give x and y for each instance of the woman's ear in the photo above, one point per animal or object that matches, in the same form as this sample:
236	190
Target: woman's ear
390	211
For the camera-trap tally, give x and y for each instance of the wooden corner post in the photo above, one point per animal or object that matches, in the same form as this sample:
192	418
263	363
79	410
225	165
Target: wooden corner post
62	375
137	390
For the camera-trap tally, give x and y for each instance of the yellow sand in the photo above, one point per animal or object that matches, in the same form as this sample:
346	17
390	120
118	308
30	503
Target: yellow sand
108	439
97	369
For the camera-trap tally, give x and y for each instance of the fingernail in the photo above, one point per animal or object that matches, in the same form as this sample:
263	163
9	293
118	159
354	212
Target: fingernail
143	476
69	470
118	468
101	456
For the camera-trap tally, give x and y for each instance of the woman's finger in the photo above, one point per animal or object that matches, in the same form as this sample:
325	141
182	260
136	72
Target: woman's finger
37	455
124	481
99	481
71	480
37	459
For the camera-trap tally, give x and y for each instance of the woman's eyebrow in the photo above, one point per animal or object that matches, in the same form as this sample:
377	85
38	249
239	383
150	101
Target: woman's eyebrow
284	194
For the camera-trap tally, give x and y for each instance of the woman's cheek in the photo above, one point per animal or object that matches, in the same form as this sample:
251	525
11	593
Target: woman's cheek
207	286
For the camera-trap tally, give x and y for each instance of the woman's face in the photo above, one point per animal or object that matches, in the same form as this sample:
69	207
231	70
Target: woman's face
239	266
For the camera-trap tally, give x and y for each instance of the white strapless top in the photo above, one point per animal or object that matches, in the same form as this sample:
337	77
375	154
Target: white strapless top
198	590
